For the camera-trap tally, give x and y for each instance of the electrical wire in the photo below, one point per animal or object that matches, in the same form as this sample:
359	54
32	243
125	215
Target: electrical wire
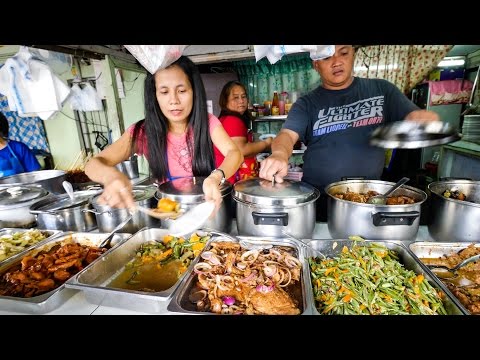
83	122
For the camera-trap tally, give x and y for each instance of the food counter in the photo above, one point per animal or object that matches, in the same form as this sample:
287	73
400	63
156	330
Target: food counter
78	305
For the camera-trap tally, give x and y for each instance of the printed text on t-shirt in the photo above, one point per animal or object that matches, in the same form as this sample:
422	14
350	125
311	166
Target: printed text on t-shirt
360	113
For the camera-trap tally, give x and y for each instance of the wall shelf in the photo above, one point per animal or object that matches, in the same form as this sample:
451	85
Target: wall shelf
271	118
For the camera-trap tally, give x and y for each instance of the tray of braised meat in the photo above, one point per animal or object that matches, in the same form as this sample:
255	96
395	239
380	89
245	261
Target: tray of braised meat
34	282
247	275
463	283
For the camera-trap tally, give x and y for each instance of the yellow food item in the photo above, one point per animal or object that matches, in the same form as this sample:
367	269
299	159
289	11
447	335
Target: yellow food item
167	205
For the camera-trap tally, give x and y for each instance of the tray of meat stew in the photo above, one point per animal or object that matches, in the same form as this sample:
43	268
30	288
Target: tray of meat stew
34	282
464	283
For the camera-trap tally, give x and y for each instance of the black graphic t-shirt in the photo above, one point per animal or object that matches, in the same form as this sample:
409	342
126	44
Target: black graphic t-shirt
336	125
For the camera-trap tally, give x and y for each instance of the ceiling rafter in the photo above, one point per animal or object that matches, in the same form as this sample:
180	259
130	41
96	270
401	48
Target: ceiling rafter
97	52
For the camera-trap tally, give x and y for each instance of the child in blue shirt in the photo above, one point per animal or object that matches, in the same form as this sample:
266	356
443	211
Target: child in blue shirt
15	156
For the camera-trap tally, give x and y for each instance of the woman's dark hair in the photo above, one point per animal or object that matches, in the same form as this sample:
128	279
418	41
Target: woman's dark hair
155	124
223	101
3	126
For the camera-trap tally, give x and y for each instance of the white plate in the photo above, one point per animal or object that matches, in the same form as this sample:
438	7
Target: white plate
264	136
192	220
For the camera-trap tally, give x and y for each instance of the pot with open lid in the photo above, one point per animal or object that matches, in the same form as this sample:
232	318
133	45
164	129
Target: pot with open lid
267	209
108	218
59	212
373	221
15	205
452	219
188	192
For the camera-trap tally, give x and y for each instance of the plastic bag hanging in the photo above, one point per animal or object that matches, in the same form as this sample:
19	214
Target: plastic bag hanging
155	57
90	99
275	52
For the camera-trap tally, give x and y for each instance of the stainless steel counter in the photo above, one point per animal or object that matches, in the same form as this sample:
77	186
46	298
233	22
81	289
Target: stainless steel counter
78	305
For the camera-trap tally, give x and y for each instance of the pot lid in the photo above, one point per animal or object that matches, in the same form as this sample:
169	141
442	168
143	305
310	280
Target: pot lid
262	192
411	135
20	194
188	189
139	192
61	202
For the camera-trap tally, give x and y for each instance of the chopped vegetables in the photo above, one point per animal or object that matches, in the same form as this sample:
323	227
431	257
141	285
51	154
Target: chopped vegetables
369	279
11	244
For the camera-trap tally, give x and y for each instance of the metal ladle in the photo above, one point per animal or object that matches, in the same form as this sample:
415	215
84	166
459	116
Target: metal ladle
382	199
106	242
69	189
458	266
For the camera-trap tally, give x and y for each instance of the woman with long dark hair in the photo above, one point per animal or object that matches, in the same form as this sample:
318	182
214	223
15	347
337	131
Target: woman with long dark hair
236	119
176	136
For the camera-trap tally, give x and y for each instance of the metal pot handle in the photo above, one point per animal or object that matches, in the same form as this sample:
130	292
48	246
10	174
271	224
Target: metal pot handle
449	178
97	212
395	218
353	178
48	212
280	218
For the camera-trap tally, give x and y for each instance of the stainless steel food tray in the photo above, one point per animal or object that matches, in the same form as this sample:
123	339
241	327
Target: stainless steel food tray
51	300
50	234
93	281
406	257
181	304
427	249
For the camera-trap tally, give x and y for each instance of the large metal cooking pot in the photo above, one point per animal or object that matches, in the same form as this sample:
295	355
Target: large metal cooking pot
370	221
15	205
455	220
266	209
50	180
188	192
59	212
108	218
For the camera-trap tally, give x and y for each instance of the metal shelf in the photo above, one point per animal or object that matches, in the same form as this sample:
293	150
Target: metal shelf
271	118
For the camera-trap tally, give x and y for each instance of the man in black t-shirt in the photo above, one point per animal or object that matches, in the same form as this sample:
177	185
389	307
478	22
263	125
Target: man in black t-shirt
335	121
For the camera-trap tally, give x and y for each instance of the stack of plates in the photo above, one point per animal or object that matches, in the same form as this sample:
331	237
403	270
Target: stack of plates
471	128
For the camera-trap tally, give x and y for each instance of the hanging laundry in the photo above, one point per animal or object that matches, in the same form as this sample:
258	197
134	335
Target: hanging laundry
32	89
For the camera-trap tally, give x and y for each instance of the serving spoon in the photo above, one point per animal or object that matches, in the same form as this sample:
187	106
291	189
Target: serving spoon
456	267
108	239
382	199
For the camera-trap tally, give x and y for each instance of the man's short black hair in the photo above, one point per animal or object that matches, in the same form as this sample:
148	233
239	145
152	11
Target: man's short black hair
3	125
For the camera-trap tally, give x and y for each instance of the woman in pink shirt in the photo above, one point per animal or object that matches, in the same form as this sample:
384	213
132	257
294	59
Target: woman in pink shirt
177	137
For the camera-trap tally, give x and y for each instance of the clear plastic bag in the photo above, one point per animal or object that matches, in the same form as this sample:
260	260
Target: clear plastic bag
155	57
276	52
